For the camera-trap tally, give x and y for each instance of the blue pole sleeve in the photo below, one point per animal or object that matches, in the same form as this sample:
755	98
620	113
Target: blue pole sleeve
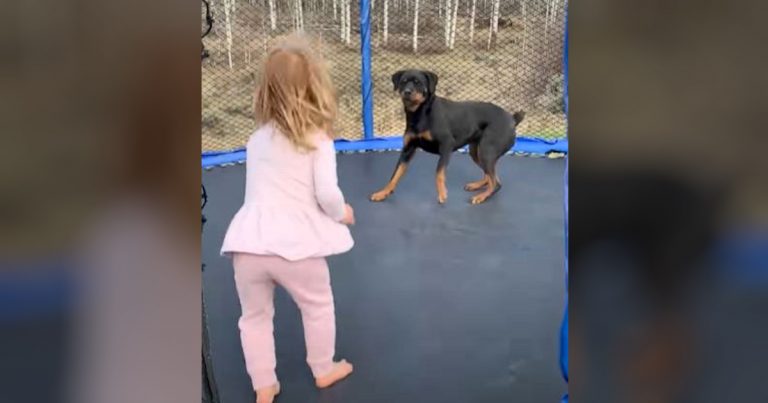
366	80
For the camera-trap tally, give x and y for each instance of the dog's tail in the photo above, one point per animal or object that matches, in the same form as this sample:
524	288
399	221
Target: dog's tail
518	116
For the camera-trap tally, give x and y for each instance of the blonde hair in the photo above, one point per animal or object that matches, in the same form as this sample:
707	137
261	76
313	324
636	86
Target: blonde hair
295	92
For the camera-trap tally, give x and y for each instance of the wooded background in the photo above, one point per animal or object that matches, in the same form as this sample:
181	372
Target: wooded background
504	51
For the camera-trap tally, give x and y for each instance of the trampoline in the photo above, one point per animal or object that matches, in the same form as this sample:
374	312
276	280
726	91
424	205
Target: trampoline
435	303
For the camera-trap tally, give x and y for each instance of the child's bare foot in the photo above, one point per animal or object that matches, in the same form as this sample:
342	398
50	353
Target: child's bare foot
341	370
267	395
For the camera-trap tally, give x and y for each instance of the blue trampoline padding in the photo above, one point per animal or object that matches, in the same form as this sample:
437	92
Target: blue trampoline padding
35	290
564	345
523	145
743	258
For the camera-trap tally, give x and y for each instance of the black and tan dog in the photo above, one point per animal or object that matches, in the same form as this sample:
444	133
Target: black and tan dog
441	126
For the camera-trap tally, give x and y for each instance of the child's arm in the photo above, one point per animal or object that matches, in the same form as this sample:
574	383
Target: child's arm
327	191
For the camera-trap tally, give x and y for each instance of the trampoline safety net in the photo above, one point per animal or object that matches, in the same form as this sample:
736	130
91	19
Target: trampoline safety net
508	52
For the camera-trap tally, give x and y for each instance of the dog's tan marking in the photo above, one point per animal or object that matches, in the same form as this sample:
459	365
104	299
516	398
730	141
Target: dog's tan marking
390	187
442	192
414	101
407	138
490	189
477	185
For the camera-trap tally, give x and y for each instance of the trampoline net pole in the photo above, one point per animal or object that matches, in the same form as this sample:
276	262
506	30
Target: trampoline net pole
210	392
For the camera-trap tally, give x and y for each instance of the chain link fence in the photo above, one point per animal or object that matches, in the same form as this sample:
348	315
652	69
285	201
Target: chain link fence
504	51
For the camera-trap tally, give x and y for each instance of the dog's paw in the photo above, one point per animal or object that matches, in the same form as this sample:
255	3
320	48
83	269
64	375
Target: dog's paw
475	186
380	195
479	198
442	198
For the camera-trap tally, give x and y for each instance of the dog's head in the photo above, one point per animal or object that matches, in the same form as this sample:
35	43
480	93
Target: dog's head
415	86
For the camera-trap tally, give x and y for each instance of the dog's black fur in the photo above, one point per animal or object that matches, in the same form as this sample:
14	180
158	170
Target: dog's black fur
441	126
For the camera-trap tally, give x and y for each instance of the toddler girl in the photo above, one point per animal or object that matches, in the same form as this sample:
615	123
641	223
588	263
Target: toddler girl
293	216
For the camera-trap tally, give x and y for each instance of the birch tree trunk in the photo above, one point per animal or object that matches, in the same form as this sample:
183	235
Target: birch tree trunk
453	23
386	20
554	12
494	28
335	3
348	38
300	9
472	22
525	29
416	26
447	26
295	15
343	20
547	12
228	26
372	18
272	15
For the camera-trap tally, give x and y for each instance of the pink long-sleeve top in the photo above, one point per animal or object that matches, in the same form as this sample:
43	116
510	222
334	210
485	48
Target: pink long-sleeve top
293	205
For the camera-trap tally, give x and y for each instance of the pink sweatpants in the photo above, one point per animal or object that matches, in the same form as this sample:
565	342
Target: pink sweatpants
309	284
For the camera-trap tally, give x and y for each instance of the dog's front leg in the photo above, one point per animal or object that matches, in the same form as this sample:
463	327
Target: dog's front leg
446	149
409	149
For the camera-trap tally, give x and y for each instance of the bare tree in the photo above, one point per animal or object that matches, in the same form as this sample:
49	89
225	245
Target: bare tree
272	15
472	22
547	11
348	34
346	26
525	27
298	16
494	28
342	10
295	15
453	23
300	9
386	20
335	5
415	26
228	25
447	26
451	12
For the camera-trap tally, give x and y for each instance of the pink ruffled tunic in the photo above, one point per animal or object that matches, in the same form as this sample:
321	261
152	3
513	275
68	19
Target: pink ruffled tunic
293	203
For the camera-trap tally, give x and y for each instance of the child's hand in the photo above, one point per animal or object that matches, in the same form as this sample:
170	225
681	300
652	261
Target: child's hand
349	215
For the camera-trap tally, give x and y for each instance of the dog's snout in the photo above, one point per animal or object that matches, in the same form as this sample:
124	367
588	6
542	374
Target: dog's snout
407	91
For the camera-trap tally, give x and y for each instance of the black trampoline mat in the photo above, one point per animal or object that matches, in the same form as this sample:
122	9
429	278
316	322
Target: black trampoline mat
451	304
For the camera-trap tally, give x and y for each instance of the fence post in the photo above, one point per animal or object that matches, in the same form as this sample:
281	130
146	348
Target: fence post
366	81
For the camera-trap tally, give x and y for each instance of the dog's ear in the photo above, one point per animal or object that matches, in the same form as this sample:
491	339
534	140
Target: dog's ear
396	78
431	81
